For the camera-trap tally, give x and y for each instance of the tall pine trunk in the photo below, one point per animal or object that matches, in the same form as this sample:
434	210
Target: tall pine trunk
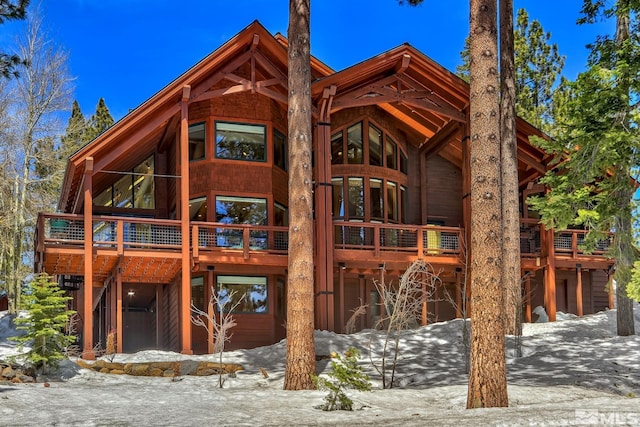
623	222
487	376
300	359
509	162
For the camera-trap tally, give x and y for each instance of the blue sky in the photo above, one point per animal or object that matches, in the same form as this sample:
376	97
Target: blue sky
126	50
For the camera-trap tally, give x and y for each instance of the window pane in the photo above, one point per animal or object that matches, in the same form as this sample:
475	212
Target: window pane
356	198
279	150
246	294
241	210
392	201
404	163
197	293
376	195
337	198
197	141
104	198
198	209
375	146
281	215
240	141
354	144
392	156
337	154
143	185
122	192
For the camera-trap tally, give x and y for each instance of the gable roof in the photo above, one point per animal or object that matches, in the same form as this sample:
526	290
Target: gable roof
402	81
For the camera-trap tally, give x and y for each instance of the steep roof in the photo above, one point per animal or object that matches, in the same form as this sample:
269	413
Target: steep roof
402	81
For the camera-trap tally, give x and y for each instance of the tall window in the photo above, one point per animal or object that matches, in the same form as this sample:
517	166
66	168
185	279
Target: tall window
392	201
280	150
337	149
376	199
375	146
356	198
197	144
404	163
197	293
239	141
392	153
337	197
247	293
355	144
135	189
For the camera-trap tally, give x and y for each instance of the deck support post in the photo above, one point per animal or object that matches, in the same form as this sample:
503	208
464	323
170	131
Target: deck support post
458	294
87	303
612	294
119	326
579	307
550	275
341	303
185	284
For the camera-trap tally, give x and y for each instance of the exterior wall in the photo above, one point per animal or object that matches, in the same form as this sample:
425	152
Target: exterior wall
444	192
599	287
170	317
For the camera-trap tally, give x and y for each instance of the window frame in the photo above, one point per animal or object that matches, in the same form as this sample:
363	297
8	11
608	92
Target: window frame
247	279
265	142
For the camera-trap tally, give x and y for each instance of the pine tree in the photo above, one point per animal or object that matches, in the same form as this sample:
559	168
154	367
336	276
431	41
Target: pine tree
74	137
538	66
487	374
300	360
99	122
46	323
10	10
599	140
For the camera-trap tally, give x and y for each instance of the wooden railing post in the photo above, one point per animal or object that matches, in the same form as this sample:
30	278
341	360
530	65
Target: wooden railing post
245	242
120	236
574	244
376	240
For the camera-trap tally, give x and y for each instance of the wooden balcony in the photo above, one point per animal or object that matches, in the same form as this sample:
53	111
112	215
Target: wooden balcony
367	245
149	250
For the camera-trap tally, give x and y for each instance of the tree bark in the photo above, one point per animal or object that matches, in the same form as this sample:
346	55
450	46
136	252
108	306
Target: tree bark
300	359
487	376
623	221
509	162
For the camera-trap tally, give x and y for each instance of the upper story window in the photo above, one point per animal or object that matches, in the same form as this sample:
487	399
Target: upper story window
380	149
197	138
198	209
391	150
375	146
280	150
241	210
136	189
355	144
240	141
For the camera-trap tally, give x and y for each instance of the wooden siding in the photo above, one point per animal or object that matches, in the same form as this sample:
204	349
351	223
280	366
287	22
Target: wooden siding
444	192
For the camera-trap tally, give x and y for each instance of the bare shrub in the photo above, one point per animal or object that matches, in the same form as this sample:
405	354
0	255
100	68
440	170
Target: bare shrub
359	311
402	310
217	326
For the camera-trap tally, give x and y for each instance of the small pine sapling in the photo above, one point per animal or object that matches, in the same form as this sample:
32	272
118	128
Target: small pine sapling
46	323
345	373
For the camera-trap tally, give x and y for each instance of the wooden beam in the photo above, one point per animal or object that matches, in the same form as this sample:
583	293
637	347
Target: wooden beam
87	308
185	288
441	139
407	119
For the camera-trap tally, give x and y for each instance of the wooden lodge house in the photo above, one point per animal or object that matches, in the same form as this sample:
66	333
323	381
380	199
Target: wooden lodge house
188	193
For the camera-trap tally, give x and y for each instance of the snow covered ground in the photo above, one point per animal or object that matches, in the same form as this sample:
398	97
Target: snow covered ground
572	372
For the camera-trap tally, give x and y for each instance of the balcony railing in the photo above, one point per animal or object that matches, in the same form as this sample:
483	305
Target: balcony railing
571	242
380	238
147	233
